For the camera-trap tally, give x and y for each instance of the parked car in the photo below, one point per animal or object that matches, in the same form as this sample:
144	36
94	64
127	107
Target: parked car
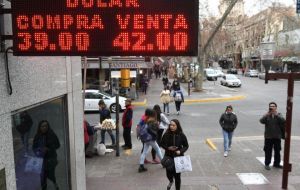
219	73
230	80
263	75
251	73
92	98
210	74
232	71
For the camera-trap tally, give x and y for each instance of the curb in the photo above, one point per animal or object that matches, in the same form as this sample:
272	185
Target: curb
215	99
144	103
210	144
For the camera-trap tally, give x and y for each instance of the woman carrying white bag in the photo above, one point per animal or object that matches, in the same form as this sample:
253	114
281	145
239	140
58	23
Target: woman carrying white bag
175	144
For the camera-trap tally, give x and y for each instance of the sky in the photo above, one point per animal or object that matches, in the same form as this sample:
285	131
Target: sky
251	6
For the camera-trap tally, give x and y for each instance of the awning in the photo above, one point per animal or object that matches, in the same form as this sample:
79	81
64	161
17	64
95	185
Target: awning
293	59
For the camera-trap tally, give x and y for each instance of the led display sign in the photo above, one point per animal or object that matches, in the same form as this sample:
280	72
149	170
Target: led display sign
105	27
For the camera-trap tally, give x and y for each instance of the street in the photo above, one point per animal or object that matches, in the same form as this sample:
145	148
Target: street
200	122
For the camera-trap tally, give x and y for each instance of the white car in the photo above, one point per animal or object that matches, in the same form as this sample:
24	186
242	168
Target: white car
251	73
219	73
210	74
230	80
92	98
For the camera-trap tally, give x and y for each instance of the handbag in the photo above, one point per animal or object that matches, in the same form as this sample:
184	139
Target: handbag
183	164
167	162
34	164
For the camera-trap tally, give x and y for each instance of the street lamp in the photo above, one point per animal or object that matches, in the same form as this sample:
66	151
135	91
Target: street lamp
267	52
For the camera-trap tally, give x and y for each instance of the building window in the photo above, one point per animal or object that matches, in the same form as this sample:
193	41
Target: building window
41	150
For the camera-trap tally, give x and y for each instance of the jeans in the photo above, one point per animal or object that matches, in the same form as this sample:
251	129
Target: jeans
227	139
147	145
166	105
113	141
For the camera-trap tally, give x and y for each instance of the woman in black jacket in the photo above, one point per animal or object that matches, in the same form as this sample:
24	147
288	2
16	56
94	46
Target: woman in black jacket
175	144
45	144
228	122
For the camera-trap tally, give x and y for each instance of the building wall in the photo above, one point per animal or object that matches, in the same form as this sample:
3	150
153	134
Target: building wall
35	80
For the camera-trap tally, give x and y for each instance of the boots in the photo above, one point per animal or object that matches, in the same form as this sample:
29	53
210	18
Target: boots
142	168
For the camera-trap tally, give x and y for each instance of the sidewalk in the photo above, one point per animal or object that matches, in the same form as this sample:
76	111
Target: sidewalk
241	170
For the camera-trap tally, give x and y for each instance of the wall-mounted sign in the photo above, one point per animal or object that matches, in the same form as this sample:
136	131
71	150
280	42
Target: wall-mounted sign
105	27
2	179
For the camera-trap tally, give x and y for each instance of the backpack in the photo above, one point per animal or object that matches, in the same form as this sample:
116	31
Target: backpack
178	97
144	135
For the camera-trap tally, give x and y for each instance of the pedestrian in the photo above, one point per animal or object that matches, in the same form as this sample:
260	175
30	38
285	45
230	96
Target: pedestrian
127	123
105	114
148	135
142	121
228	122
45	144
274	130
165	99
175	85
163	122
178	98
165	80
175	144
144	84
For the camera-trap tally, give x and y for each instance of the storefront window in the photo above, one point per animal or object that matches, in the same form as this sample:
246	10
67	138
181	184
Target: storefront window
41	147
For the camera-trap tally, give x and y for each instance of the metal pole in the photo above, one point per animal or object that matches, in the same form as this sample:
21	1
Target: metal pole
84	79
287	167
117	119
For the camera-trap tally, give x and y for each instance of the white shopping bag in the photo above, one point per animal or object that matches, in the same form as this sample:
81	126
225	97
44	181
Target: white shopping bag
183	164
34	164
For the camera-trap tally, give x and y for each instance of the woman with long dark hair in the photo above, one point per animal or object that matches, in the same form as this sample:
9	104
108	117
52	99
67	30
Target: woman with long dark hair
175	144
45	144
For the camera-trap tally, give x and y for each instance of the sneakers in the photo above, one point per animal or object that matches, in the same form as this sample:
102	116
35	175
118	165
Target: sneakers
155	161
142	169
267	167
229	148
225	154
178	112
147	161
169	185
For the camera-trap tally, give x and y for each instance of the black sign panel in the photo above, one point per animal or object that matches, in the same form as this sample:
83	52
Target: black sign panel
105	27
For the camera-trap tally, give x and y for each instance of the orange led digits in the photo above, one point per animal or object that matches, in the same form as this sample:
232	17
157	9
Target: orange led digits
180	41
122	40
65	41
41	41
105	27
26	37
82	41
163	41
138	46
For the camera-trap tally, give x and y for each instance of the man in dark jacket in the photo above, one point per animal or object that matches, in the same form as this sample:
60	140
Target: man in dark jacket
274	131
127	124
105	114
